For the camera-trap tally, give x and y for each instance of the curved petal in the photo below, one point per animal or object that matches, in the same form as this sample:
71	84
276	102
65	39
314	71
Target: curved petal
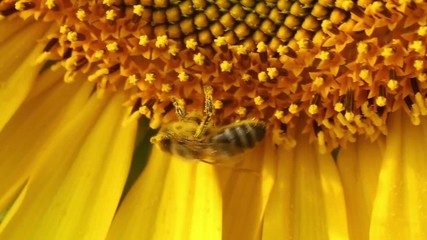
399	210
172	199
307	201
359	166
74	189
17	67
246	189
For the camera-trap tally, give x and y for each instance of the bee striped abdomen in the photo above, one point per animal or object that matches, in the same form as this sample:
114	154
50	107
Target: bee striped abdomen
242	135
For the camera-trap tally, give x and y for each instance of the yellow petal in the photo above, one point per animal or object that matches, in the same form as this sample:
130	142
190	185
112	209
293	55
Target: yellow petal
359	166
399	210
246	188
172	199
307	201
74	190
31	127
18	69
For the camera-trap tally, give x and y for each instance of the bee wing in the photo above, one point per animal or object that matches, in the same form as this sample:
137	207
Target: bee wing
210	152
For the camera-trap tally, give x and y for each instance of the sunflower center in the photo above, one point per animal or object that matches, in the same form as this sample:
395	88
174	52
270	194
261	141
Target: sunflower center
337	68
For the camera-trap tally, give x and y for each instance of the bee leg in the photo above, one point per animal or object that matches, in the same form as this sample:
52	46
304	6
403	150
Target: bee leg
179	105
203	126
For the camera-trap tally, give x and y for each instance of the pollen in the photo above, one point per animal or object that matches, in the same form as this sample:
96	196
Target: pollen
241	111
199	59
226	66
143	40
150	77
258	100
166	87
133	79
112	46
162	41
183	77
50	4
337	68
218	104
138	10
110	15
293	108
262	77
272	72
81	14
191	44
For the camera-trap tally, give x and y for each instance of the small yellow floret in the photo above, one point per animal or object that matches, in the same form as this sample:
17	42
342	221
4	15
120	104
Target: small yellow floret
246	77
72	36
110	15
133	79
166	87
183	77
218	104
364	74
339	107
392	84
258	100
318	81
282	50
422	77
138	10
241	111
112	46
272	72
64	29
261	47
220	41
150	77
173	50
199	59
161	41
241	49
143	40
362	47
108	2
387	52
349	116
226	66
422	31
98	54
293	108
381	101
417	46
50	4
419	65
278	114
262	76
191	44
324	55
303	43
81	14
313	109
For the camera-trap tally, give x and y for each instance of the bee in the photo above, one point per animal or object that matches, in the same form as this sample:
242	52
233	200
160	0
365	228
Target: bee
195	137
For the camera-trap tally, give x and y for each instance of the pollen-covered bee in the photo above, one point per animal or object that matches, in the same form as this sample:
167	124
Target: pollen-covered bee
193	137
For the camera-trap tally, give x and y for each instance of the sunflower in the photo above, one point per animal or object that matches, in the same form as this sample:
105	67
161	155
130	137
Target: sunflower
340	85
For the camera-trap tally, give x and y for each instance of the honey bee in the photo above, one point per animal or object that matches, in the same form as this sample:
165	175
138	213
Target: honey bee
195	137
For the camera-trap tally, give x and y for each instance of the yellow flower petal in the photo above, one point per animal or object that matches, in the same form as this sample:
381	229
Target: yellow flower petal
28	130
74	189
307	201
18	68
172	199
246	188
359	166
399	210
